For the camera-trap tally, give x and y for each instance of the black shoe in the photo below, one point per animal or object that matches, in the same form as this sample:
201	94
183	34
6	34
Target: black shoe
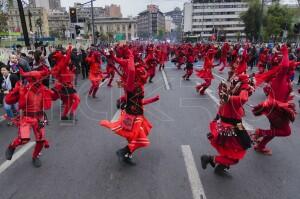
9	153
221	169
205	160
118	104
36	162
122	152
73	117
150	81
64	118
128	160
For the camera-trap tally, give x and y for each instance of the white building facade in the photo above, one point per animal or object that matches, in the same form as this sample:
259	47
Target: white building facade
202	18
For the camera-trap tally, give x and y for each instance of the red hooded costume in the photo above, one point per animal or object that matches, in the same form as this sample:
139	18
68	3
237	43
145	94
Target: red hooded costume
64	86
206	72
33	98
132	124
278	107
95	74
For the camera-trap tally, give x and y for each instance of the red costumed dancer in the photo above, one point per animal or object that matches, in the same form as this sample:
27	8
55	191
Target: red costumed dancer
151	63
278	107
110	69
162	56
180	58
242	65
33	98
262	61
228	135
64	85
223	59
206	72
189	65
95	74
132	124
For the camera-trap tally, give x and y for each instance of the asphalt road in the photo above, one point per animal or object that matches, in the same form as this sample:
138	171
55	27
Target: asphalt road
81	162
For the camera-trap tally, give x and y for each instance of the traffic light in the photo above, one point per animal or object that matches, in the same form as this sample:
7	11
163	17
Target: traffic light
77	29
297	28
73	15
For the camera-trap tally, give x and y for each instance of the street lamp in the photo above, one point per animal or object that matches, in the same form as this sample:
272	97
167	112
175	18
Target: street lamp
93	20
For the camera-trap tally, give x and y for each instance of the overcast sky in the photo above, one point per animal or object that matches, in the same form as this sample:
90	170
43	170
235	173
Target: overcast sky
132	7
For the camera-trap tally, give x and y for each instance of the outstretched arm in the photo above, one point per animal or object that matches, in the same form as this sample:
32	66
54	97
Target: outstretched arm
151	100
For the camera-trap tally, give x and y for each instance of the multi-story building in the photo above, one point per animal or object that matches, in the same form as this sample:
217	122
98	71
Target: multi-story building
85	13
150	22
39	3
176	15
113	11
125	27
59	23
202	18
38	20
54	4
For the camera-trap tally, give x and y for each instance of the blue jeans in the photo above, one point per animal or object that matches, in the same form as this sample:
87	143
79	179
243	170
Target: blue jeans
9	109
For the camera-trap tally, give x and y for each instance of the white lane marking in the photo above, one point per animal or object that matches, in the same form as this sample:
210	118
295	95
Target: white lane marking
214	98
222	78
165	79
16	156
116	116
195	181
248	126
102	83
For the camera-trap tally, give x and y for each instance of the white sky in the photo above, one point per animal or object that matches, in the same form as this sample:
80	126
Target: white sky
132	7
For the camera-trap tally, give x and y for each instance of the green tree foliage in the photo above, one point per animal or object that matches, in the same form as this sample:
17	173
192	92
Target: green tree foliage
277	19
252	19
3	17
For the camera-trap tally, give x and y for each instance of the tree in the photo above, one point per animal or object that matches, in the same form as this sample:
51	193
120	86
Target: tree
278	19
161	34
63	31
3	17
3	22
39	25
252	20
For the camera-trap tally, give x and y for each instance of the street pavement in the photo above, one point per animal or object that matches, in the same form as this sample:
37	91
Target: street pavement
81	162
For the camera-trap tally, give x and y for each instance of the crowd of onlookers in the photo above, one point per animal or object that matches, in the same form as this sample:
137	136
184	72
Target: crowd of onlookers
34	60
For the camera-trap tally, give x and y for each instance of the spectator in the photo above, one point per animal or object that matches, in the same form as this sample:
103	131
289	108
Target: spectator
7	83
84	64
40	65
75	62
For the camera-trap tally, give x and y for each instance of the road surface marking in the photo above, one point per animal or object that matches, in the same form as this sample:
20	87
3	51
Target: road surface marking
102	83
116	116
214	98
195	181
248	126
16	156
165	79
222	78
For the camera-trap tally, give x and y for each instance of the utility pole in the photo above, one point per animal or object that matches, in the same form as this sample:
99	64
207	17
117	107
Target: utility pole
29	19
23	22
93	22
